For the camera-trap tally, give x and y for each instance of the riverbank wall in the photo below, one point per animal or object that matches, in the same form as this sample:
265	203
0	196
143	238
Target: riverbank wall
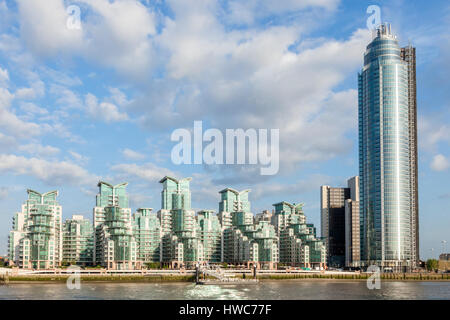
41	278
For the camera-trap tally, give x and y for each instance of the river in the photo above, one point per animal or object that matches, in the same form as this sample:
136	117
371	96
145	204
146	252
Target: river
267	290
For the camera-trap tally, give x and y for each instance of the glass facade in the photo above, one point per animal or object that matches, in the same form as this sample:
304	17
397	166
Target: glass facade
78	241
384	154
36	239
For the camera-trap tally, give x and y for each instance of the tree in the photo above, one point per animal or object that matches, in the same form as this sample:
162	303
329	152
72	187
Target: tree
432	264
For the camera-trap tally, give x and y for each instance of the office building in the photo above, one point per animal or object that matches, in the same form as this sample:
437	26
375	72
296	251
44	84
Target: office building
333	223
340	223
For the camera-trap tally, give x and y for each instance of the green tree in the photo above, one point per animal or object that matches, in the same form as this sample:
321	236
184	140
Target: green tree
432	264
153	265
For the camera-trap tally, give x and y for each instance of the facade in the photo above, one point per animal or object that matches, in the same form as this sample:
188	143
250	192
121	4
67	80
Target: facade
333	222
341	227
210	235
352	226
36	239
147	233
115	246
298	243
180	245
78	241
176	236
408	54
244	241
387	154
263	216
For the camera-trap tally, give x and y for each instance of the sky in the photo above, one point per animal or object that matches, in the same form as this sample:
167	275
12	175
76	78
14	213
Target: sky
100	102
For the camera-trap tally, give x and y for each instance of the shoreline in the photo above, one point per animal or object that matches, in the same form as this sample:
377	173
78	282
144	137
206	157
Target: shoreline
50	279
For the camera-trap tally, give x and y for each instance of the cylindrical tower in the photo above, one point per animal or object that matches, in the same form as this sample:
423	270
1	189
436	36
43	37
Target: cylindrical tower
384	151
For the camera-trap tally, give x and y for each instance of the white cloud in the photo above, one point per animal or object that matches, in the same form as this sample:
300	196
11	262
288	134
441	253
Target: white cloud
104	111
43	25
242	79
33	109
4	192
50	172
6	142
62	78
10	123
65	97
246	12
311	183
78	157
36	89
4	77
133	155
115	34
39	150
440	163
148	172
432	131
25	94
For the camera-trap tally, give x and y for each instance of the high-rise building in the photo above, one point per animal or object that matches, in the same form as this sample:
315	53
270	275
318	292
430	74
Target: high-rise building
333	223
266	215
147	233
115	246
78	241
408	54
36	239
210	235
175	237
388	154
298	244
180	244
340	218
352	225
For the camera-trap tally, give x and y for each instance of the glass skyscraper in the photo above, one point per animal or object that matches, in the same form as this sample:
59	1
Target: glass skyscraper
387	163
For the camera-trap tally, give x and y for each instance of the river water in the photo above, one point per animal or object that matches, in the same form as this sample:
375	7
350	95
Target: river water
268	290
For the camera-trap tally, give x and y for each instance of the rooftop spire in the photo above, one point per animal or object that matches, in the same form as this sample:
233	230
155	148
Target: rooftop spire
384	30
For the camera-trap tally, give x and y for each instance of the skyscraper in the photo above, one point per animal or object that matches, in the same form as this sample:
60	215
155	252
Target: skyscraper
387	154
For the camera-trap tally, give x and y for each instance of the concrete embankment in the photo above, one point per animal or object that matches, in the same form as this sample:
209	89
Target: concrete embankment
52	278
101	278
362	276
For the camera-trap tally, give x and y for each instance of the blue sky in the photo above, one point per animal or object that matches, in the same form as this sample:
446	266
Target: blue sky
100	102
